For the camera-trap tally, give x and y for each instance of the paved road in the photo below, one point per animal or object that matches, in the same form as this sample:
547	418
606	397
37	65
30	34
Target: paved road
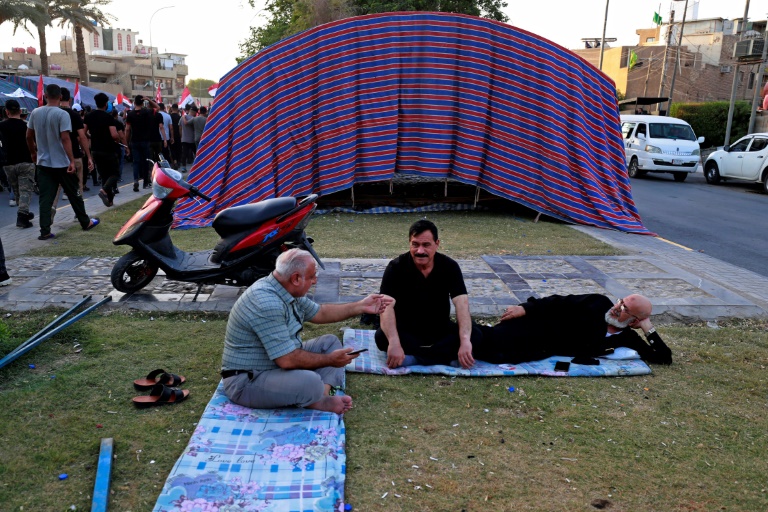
726	221
8	214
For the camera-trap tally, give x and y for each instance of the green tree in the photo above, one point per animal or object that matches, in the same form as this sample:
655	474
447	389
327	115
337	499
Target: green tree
491	9
198	87
288	17
19	12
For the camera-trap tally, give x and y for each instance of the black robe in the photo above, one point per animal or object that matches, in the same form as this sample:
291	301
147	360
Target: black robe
570	325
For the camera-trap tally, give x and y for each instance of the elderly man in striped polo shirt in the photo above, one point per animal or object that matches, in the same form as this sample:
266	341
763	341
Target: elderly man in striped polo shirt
265	364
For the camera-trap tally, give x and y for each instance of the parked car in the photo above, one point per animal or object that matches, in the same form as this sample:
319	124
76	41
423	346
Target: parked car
660	144
746	160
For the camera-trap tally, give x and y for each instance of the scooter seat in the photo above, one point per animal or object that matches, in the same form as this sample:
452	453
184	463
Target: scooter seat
233	220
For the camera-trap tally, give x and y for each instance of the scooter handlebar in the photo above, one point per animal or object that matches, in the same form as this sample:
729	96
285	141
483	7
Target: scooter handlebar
196	192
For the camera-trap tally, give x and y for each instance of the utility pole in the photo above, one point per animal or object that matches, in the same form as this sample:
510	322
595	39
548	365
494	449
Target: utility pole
602	42
758	85
666	51
677	60
648	74
735	80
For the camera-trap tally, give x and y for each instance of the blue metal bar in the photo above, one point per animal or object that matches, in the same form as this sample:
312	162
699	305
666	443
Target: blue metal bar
103	476
29	346
59	319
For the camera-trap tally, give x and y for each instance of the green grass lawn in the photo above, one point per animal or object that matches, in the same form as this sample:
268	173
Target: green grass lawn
462	235
691	436
688	437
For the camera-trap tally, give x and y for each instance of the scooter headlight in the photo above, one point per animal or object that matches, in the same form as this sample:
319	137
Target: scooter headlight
160	191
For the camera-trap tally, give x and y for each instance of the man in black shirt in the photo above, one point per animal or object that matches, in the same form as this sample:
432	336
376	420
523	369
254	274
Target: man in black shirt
176	144
573	325
18	166
80	145
139	128
104	137
423	283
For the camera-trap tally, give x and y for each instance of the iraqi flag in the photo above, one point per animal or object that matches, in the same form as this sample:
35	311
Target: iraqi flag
186	98
212	90
40	91
122	100
77	93
158	94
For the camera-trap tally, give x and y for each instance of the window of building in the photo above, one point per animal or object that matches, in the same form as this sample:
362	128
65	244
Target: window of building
751	83
120	42
95	40
650	39
128	42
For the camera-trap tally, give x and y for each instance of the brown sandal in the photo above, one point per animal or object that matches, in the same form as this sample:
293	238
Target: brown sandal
159	376
161	395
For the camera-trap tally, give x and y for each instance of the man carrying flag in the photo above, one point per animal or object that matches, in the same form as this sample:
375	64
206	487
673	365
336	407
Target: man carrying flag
40	100
186	99
76	98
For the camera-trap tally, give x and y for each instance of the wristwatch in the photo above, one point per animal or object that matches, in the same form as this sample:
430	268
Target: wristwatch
650	331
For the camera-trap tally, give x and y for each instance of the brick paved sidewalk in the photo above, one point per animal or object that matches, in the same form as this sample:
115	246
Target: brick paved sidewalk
682	284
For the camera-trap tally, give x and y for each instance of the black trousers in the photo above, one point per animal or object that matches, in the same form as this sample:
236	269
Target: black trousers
440	346
107	164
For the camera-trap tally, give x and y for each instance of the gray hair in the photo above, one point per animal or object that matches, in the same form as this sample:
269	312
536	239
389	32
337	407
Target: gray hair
292	261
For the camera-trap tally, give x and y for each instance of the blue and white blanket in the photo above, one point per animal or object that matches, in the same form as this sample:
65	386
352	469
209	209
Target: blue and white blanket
623	362
280	460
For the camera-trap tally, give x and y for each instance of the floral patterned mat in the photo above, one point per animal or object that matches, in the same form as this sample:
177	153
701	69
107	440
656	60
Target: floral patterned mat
626	362
243	459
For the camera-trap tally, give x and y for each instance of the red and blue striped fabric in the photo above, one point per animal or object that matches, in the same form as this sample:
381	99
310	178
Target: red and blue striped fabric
430	94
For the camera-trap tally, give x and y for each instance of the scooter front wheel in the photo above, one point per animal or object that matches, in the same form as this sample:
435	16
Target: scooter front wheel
132	272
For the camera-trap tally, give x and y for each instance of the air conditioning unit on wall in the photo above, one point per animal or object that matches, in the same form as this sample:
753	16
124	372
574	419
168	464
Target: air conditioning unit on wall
725	69
748	48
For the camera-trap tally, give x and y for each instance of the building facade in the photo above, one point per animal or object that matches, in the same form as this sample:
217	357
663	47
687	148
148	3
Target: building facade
706	64
118	62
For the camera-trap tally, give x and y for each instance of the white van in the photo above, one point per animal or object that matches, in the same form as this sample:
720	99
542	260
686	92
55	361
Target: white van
660	144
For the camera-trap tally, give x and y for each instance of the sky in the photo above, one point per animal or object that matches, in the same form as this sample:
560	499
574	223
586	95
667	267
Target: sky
209	33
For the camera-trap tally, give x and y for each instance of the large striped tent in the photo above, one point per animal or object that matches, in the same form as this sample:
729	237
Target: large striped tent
430	94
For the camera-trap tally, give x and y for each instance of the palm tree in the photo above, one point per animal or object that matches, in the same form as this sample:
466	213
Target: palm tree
43	21
83	15
20	11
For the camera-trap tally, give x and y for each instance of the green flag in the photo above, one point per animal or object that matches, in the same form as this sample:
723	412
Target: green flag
632	59
656	18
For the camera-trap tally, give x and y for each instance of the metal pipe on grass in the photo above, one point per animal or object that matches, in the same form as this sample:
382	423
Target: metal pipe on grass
45	329
103	476
27	346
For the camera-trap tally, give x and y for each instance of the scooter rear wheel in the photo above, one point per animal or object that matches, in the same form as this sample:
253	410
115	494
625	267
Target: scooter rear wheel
132	272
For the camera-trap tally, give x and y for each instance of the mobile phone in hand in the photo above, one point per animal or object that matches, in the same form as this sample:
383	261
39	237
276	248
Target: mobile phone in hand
355	352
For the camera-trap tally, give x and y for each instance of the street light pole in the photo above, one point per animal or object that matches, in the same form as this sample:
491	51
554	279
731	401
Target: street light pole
602	42
664	62
677	58
151	47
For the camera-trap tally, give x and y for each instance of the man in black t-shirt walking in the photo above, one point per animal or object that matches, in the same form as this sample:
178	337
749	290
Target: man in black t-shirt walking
140	126
176	144
18	166
104	137
418	328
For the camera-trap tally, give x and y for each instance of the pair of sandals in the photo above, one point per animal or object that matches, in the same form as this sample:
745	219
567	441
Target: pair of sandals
162	388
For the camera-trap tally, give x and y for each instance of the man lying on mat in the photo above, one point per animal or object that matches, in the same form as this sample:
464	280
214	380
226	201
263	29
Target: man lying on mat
417	328
265	364
573	325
